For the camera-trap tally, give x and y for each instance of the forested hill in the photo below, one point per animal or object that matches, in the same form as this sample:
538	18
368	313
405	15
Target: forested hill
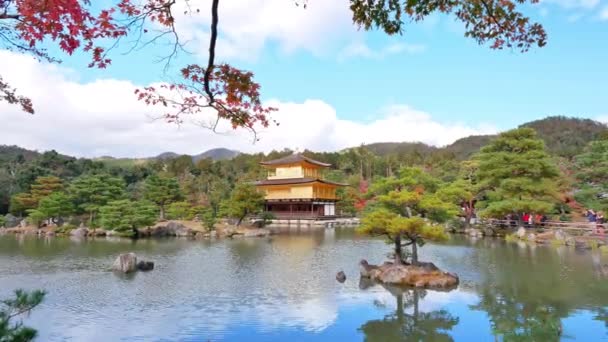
212	174
563	136
566	137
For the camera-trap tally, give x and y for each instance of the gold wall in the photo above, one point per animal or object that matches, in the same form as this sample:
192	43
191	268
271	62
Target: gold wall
293	171
308	191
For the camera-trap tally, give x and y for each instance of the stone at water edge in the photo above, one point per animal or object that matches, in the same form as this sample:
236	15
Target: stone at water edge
341	277
532	237
79	232
521	232
145	265
125	263
560	235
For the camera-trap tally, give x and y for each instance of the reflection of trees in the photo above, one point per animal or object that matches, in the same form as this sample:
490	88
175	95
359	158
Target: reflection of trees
417	326
601	314
517	320
526	293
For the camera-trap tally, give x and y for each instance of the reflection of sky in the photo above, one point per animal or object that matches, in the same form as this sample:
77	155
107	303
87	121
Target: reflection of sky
281	289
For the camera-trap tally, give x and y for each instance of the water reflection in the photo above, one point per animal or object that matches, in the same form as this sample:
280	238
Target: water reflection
283	288
408	323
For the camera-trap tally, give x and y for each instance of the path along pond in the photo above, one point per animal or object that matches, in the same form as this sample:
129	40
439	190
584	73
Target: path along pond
283	288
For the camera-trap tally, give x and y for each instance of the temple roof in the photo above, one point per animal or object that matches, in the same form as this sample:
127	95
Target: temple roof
288	181
293	159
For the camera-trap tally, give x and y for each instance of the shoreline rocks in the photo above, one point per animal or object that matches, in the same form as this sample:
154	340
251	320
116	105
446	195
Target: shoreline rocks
423	275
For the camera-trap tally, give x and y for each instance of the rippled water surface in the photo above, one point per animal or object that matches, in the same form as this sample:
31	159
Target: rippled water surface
283	288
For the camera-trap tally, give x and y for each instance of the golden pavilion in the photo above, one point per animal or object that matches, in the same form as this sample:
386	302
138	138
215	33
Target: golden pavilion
295	190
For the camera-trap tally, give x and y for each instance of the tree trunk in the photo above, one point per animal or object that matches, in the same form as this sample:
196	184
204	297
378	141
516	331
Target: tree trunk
238	223
414	253
162	212
409	211
398	253
90	219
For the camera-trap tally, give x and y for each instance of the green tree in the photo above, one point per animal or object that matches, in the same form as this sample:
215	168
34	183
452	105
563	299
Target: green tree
91	192
516	175
244	200
179	211
125	216
592	166
23	303
2	221
41	188
162	191
463	191
208	219
53	208
406	208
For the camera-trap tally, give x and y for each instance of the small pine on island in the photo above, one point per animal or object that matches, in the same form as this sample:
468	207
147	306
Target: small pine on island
294	189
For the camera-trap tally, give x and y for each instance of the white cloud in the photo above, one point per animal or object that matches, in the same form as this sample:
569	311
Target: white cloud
602	118
360	49
604	13
246	26
573	4
104	118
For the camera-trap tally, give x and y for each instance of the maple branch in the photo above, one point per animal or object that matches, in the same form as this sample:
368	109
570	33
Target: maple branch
212	41
9	16
490	13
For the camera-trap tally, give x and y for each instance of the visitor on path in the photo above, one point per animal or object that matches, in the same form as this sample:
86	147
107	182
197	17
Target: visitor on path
525	218
591	215
531	220
599	223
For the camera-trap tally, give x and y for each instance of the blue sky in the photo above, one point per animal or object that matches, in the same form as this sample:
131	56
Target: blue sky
453	77
316	54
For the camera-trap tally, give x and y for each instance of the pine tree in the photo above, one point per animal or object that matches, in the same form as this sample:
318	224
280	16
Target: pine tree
41	188
162	191
94	191
54	207
516	175
406	208
592	166
125	216
23	303
244	200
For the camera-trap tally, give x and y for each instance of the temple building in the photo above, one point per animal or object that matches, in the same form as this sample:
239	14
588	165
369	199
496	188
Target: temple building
294	189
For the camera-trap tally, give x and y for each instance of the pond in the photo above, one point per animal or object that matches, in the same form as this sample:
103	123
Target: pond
283	288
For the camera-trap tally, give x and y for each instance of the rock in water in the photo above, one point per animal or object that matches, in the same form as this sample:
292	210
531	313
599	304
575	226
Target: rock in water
421	276
145	265
521	232
79	232
125	263
341	277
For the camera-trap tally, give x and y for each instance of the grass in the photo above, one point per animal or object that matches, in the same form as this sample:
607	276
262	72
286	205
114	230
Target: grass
557	242
511	238
604	249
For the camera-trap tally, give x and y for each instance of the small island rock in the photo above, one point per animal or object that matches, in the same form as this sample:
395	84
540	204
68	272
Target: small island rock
425	275
125	263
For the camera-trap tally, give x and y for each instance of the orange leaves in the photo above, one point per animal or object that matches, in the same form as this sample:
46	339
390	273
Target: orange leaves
232	94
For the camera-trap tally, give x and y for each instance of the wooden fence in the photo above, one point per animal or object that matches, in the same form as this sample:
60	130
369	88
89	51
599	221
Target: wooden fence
581	227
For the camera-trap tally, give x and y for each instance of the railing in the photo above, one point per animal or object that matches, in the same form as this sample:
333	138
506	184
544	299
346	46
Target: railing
576	226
